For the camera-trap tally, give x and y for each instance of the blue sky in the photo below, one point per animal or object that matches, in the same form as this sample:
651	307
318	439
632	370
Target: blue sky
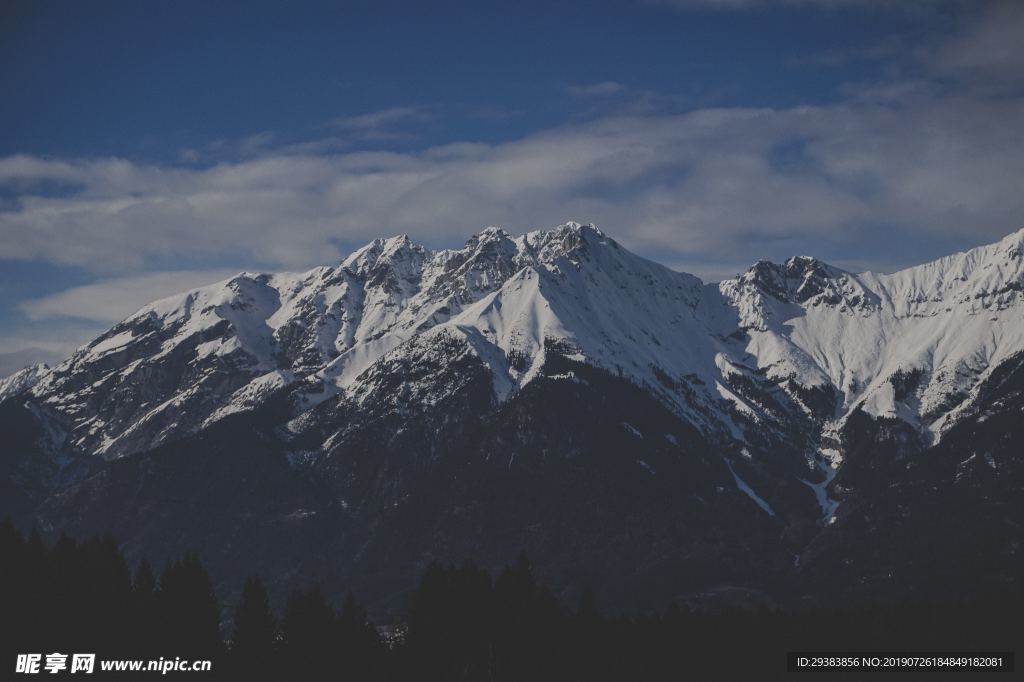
146	79
149	147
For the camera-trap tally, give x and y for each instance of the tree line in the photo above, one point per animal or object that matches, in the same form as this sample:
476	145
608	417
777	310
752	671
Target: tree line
462	623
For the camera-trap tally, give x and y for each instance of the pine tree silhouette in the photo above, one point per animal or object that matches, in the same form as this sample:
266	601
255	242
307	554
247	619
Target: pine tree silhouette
105	586
357	643
255	634
146	629
13	584
527	621
430	641
584	641
307	637
188	612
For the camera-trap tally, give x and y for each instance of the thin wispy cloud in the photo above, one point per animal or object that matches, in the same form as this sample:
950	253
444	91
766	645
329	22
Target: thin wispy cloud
113	299
48	342
388	124
12	361
375	120
602	89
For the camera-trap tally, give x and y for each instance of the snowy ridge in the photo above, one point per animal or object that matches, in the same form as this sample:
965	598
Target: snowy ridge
802	343
22	380
914	345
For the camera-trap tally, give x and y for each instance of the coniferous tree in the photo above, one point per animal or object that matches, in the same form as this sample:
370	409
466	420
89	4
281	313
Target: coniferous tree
431	641
434	642
254	640
106	586
63	599
37	563
13	583
526	625
307	637
584	644
188	612
144	583
357	644
472	630
146	628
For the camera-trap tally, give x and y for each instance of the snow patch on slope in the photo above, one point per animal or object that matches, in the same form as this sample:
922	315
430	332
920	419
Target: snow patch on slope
749	492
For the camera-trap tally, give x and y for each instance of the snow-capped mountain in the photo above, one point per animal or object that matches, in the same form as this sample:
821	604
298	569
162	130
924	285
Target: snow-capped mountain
225	348
760	393
914	345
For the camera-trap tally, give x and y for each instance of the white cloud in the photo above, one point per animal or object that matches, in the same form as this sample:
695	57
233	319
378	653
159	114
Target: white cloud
690	184
111	300
378	119
59	323
602	89
47	342
22	168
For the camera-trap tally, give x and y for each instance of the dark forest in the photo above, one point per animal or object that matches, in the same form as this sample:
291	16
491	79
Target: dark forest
463	623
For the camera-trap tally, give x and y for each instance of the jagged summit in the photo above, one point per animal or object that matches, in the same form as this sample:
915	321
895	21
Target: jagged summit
798	280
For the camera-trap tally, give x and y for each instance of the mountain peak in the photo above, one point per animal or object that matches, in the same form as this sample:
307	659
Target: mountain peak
492	232
563	240
397	243
22	380
490	239
805	264
798	280
1013	244
387	262
575	228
